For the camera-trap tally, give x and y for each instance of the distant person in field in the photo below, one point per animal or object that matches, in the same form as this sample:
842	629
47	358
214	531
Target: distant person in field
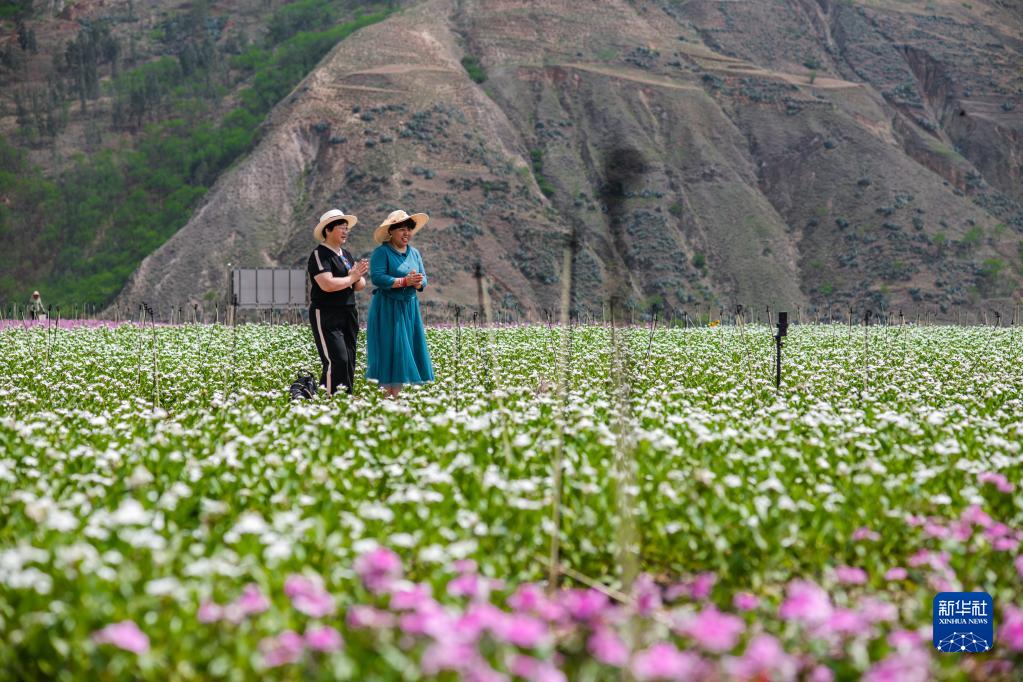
334	277
36	311
396	351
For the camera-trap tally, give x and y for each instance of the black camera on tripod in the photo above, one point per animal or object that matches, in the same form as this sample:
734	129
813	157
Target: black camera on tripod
783	324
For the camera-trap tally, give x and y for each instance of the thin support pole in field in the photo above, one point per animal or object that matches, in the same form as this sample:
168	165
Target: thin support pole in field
458	352
234	342
564	355
492	340
740	319
626	539
866	347
156	362
650	341
142	318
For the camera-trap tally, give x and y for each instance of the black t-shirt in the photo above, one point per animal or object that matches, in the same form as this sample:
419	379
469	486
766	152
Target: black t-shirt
325	259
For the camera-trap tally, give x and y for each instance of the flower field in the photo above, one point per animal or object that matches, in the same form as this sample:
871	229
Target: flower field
167	513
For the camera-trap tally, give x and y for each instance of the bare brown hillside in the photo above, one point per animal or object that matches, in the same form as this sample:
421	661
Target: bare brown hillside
807	152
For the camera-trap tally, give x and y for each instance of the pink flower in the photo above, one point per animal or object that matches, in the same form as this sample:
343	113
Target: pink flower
1010	632
478	617
975	515
529	668
526	597
877	611
379	569
647	594
998	480
522	630
283	649
821	673
932	559
806	602
664	662
324	638
715	631
530	597
697	589
430	619
124	635
961	531
468	585
1019	565
914	521
1006	544
864	533
702	585
745	601
209	612
363	616
583	605
847	622
252	601
465	566
904	639
850	575
896	573
308	596
763	659
912	665
448	654
608	648
410	598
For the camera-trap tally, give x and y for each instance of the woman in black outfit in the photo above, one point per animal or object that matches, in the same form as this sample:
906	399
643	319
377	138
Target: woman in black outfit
334	277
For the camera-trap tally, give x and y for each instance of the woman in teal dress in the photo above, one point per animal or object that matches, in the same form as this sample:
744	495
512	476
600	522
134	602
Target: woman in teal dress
396	351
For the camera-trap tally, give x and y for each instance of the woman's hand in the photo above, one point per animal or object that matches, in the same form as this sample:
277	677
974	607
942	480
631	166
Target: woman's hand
414	279
359	270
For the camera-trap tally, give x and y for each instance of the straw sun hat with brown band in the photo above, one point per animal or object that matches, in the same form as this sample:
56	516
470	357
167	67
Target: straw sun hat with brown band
331	216
381	234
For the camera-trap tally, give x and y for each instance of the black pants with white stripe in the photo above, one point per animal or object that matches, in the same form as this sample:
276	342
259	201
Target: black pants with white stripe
335	331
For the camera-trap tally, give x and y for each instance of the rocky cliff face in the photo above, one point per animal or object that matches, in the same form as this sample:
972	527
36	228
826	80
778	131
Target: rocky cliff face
807	152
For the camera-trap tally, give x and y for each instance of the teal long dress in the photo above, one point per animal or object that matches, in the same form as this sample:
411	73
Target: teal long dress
396	351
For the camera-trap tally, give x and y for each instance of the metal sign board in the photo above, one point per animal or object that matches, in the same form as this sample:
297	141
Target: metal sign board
269	287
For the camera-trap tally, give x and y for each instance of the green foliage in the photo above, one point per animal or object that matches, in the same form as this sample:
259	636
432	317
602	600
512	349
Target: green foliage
699	261
277	73
973	236
989	275
105	213
536	156
302	15
474	69
15	8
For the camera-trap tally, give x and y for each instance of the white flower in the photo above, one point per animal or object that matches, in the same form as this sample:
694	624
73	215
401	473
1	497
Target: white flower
250	523
130	512
163	586
61	521
139	477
